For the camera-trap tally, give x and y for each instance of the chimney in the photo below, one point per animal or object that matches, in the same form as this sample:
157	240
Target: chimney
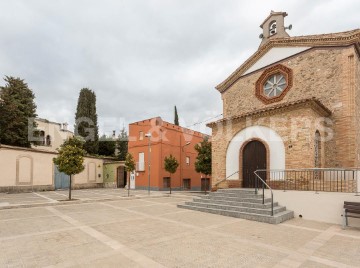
65	126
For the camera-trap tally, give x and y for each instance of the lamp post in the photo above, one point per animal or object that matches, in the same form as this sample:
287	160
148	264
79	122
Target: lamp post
1	104
182	149
148	135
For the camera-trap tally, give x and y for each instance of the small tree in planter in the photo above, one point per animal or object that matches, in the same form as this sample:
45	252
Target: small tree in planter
171	165
129	167
71	158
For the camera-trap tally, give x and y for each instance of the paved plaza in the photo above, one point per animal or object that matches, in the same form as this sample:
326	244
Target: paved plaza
153	232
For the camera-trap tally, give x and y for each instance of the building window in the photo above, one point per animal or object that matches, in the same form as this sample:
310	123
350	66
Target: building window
275	85
48	140
187	184
42	138
141	163
317	150
272	28
166	182
188	160
141	135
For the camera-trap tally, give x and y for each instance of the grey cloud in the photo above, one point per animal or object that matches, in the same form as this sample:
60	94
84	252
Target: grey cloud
143	57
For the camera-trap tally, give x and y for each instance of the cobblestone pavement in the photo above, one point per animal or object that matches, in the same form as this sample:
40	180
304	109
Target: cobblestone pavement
153	232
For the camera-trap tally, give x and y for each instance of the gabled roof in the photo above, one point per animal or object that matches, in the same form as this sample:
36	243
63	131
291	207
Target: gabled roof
320	40
314	103
272	13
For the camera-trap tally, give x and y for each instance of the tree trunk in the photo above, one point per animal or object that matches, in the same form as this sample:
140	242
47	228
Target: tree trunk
170	183
70	187
128	183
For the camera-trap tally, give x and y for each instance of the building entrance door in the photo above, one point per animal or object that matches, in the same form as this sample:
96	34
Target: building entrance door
254	157
120	177
61	180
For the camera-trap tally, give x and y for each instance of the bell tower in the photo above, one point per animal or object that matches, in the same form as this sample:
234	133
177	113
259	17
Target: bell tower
273	27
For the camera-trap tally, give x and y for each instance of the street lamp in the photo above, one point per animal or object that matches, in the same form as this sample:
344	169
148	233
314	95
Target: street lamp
182	149
1	104
148	135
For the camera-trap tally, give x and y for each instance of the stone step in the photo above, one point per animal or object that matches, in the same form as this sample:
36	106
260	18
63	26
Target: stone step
277	218
237	208
236	203
238	199
234	194
236	190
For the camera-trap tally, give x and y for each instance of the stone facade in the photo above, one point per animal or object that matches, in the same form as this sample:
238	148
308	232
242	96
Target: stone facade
324	96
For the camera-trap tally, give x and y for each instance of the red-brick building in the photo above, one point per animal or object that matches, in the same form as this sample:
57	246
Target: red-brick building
166	139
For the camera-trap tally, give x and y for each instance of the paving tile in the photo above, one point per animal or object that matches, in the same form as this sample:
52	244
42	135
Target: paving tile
276	235
200	250
23	213
341	249
155	209
308	224
135	232
199	219
27	226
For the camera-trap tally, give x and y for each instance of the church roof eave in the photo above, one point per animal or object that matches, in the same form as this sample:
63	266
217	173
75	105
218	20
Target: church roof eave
314	103
321	40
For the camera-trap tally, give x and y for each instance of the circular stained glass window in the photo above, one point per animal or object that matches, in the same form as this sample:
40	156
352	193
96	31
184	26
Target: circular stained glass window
275	85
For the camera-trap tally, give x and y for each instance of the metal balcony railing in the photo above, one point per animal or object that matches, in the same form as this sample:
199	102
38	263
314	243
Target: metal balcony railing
314	179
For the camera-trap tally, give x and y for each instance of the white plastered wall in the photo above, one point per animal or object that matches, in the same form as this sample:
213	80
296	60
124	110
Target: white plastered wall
321	206
272	139
274	55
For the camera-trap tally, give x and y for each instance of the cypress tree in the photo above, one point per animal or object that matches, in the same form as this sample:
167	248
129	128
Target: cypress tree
86	120
17	107
106	146
122	145
176	119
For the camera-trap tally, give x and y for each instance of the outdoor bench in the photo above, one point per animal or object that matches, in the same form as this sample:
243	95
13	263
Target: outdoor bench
352	210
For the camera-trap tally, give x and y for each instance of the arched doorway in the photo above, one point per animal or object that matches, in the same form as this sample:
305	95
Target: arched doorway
253	158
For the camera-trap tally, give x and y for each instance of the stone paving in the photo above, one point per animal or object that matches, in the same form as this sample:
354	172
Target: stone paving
53	197
153	232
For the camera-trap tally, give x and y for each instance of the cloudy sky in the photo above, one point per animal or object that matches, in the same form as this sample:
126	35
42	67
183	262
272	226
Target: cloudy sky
142	57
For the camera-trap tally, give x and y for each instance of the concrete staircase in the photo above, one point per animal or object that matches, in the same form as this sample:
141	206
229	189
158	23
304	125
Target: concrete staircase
239	203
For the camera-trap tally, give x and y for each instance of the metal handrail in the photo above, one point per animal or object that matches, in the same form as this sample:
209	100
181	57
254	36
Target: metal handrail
333	179
263	188
216	184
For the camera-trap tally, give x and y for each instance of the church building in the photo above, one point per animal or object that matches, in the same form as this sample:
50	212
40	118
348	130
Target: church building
294	104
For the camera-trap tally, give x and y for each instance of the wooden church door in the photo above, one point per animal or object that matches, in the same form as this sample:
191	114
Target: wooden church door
254	157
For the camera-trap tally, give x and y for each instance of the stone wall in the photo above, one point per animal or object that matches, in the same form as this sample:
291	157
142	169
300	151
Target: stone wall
296	126
328	74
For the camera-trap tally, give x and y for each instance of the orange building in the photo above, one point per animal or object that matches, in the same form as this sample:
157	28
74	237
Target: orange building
165	139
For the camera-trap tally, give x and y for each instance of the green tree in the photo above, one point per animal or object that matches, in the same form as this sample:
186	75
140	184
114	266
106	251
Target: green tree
71	158
130	166
176	117
86	120
122	145
171	165
203	159
106	146
17	112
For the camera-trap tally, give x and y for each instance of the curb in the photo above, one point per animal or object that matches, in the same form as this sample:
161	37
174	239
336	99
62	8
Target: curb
76	202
